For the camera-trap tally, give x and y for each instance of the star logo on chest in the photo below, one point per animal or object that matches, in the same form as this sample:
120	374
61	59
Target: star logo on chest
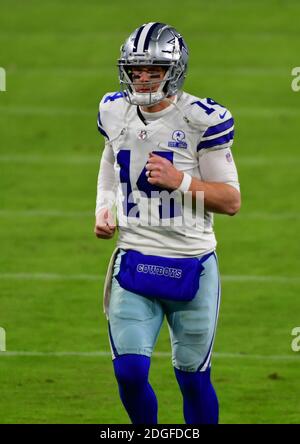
178	141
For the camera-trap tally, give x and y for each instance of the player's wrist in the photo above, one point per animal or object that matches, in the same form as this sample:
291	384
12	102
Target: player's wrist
185	183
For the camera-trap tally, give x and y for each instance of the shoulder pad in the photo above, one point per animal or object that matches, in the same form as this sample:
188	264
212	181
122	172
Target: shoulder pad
110	113
215	123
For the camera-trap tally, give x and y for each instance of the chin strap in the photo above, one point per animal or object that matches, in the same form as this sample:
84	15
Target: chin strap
147	99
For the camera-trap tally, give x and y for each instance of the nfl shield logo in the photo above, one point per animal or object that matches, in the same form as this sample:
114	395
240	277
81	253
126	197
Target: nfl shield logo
228	157
143	135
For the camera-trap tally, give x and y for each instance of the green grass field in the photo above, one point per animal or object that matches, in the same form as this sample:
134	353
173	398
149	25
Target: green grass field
60	58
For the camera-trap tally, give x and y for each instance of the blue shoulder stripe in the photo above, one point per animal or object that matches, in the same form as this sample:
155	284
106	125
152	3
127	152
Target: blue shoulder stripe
219	128
99	119
217	141
102	132
100	128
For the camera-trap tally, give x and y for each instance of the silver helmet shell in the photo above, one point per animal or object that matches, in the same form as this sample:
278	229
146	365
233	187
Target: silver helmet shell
153	44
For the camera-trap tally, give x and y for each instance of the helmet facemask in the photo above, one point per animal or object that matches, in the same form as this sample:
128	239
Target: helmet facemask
156	88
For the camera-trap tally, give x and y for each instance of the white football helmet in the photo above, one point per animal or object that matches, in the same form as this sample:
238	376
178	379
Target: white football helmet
153	44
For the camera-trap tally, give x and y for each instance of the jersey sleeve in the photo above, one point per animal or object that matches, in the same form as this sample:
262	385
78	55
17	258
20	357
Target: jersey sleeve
108	123
218	129
106	183
110	110
219	166
102	117
100	126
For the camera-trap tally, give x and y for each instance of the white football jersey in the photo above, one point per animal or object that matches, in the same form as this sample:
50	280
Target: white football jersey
190	133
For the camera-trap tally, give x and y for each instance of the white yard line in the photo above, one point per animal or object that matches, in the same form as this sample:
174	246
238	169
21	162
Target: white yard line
95	159
52	111
247	71
88	214
295	357
50	277
92	277
269	216
263	278
47	111
63	213
45	160
265	161
45	213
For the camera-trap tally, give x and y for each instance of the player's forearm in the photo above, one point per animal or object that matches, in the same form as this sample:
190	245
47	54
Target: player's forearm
218	197
106	186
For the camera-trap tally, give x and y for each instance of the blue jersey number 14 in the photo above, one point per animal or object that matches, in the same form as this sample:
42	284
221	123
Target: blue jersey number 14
130	207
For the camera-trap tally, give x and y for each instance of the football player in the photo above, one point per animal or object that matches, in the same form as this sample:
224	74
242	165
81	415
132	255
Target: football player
160	140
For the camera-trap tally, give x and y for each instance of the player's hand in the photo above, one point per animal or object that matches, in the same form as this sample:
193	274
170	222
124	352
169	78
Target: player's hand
105	225
161	172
